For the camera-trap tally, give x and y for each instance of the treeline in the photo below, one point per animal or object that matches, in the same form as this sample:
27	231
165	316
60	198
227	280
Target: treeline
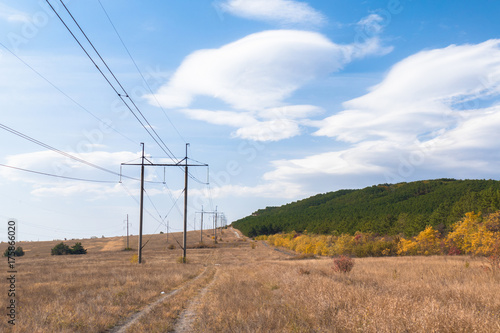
475	234
386	209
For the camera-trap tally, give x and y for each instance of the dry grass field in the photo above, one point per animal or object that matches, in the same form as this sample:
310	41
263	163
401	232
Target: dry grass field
245	286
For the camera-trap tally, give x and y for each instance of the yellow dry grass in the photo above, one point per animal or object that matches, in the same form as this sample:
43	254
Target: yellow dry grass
411	294
251	288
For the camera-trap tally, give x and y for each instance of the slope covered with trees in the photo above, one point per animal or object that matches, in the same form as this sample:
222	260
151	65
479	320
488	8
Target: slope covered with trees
386	209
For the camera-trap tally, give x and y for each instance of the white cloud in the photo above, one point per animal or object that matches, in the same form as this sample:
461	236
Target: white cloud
271	130
285	12
436	113
420	94
291	112
230	118
256	74
268	125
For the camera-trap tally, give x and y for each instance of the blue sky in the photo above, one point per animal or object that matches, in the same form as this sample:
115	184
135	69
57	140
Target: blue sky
283	99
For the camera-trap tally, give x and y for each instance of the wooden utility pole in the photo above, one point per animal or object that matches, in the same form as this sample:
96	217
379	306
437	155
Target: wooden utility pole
201	223
167	231
127	234
215	225
184	237
141	206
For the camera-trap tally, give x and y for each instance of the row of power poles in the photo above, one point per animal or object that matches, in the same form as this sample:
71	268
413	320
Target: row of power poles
182	163
216	216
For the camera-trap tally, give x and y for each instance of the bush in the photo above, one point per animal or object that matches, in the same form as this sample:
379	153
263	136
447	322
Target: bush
171	247
78	249
62	249
343	264
18	252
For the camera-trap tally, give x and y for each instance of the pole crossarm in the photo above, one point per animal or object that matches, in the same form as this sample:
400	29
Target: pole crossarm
162	164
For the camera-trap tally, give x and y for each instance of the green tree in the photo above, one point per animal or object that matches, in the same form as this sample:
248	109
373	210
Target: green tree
78	249
60	249
18	252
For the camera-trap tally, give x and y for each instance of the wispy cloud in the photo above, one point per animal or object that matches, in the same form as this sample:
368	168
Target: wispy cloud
256	75
436	112
284	12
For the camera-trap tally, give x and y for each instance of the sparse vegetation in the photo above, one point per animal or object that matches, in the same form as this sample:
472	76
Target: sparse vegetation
395	294
255	290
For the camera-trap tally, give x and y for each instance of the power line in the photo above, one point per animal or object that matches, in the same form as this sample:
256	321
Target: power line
137	67
37	142
58	176
165	148
66	95
27	137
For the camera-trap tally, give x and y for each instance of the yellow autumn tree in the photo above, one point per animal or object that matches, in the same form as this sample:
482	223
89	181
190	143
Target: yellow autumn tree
472	236
426	243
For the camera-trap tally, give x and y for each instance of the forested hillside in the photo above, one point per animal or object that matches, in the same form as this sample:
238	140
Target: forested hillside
387	209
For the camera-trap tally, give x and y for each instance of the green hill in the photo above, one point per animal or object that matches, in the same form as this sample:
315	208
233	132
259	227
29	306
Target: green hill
386	209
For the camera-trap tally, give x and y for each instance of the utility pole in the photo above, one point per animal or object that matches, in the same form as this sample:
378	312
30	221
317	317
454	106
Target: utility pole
127	234
214	221
184	245
167	231
201	223
215	225
201	226
141	206
186	174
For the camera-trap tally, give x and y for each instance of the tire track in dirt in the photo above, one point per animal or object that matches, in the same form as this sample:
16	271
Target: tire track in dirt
122	327
184	323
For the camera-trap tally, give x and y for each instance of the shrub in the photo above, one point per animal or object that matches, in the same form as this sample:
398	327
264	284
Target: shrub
62	249
343	264
18	252
171	247
78	249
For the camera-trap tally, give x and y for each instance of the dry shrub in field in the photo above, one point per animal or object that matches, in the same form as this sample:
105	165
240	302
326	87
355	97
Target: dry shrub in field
343	264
